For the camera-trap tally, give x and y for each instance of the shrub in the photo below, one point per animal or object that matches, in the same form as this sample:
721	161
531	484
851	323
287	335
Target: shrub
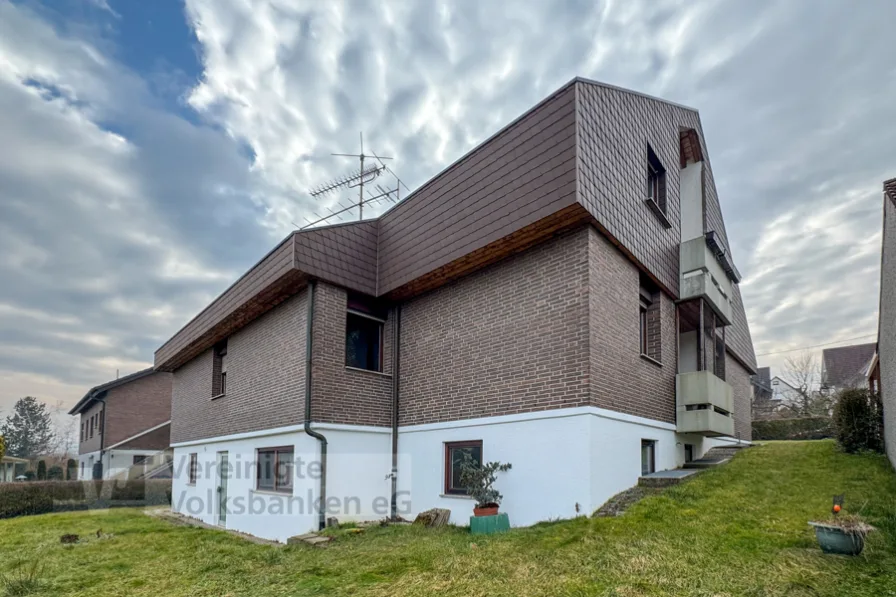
41	470
794	429
40	497
480	480
71	469
858	420
54	473
29	475
2	447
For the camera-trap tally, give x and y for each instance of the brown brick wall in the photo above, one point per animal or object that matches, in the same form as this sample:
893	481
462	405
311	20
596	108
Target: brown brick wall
137	406
154	440
511	338
131	408
339	394
91	444
265	379
739	380
621	379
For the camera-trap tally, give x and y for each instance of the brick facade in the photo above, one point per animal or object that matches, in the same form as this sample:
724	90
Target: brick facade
511	338
131	408
621	379
265	379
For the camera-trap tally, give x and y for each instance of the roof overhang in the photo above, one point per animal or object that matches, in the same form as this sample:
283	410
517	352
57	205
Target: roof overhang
13	460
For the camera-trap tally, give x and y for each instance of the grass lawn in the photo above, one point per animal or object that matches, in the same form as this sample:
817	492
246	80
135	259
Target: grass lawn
737	530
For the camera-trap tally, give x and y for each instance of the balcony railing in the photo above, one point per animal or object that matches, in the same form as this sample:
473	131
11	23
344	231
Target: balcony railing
705	404
703	276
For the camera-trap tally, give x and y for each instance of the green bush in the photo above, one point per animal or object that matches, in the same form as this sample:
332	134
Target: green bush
41	470
54	473
29	475
794	429
859	420
71	469
40	497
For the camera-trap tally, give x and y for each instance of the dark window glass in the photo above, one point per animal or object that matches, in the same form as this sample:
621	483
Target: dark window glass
363	342
454	456
139	460
194	468
275	469
648	456
643	326
656	180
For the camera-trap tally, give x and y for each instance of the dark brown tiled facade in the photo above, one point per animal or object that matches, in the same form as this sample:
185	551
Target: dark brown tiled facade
131	409
517	271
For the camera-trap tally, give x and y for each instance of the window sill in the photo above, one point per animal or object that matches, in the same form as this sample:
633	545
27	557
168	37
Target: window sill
456	496
658	212
272	492
651	360
358	369
218	396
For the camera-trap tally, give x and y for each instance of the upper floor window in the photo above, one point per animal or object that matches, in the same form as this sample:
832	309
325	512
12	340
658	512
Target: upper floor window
219	370
364	335
649	320
656	180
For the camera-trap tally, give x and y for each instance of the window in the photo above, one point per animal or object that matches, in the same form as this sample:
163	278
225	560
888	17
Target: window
138	460
648	456
363	342
275	469
194	468
656	180
219	370
99	418
83	436
649	320
454	456
92	418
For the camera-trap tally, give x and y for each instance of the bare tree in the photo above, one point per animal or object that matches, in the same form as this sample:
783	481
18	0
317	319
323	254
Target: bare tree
804	397
66	431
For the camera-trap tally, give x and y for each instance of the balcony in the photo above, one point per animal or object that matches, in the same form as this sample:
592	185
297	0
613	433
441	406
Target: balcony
705	404
707	273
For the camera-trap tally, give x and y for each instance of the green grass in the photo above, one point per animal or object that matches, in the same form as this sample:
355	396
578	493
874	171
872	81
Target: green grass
737	530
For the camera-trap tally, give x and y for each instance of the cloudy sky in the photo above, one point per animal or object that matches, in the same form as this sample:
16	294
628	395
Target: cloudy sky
153	151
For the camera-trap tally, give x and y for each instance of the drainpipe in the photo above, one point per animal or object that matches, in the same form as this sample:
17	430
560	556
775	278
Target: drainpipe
396	368
102	439
309	332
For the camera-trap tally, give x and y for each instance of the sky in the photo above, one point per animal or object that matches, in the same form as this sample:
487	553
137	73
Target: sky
154	151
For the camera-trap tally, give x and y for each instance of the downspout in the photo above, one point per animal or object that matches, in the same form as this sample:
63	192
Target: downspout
309	332
102	440
396	368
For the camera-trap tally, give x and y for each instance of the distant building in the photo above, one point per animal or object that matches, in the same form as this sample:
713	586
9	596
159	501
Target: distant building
846	366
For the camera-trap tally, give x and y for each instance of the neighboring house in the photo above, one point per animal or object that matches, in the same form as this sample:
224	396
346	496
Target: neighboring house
771	396
885	371
846	366
561	298
8	468
124	423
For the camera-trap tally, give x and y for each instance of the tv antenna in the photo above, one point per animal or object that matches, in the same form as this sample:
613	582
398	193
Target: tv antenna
360	179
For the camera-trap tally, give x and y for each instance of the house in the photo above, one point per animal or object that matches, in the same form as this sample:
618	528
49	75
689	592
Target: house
561	298
771	395
8	468
124	423
884	370
846	366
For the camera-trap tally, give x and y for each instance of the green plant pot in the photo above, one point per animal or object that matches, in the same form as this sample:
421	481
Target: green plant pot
489	525
835	540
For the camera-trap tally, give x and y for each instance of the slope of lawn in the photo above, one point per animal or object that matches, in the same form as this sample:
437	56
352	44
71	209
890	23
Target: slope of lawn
737	530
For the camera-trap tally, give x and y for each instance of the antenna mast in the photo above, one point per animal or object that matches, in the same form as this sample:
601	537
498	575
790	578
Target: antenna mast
365	175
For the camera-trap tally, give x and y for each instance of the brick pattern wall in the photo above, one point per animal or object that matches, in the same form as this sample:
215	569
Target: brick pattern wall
739	380
509	339
137	406
621	379
265	379
154	440
338	394
90	444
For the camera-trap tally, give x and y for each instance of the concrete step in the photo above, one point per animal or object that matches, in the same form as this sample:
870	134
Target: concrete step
665	478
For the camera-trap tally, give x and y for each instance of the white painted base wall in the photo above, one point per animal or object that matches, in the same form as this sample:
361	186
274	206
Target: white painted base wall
114	462
566	463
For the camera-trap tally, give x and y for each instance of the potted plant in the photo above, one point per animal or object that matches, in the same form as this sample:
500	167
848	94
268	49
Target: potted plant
479	481
843	535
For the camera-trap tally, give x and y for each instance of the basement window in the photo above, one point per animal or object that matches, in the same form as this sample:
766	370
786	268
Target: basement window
648	456
454	456
275	469
363	341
